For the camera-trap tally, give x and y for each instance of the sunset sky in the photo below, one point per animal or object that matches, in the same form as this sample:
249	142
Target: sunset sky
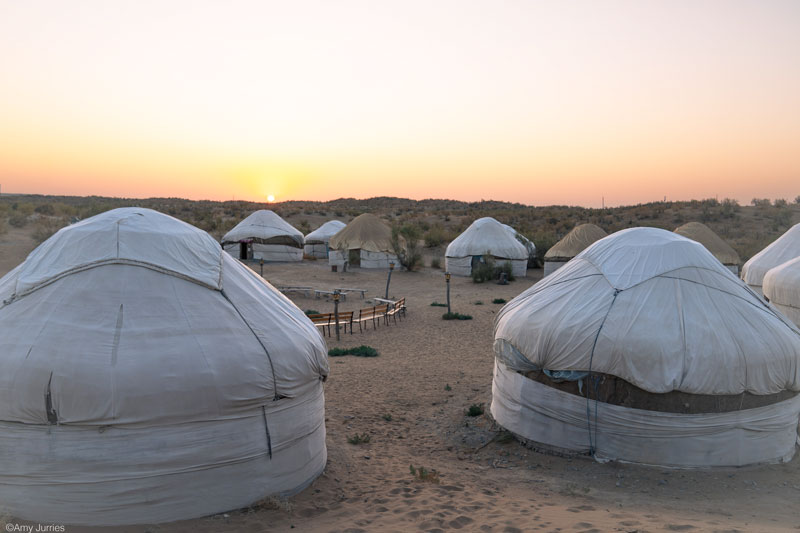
560	102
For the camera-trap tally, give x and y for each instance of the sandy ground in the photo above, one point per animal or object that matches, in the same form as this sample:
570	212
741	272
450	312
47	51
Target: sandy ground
411	401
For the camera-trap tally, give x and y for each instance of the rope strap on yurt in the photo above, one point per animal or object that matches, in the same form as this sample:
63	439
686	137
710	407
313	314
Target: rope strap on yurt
266	428
596	382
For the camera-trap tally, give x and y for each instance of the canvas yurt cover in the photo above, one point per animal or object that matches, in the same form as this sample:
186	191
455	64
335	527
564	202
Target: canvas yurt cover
483	239
785	247
782	288
644	348
713	243
526	242
264	235
150	377
316	242
573	243
366	242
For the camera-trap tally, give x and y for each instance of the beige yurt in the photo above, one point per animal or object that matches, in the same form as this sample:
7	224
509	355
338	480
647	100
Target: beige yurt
486	239
150	377
572	244
366	242
317	242
713	243
784	248
264	235
782	288
644	348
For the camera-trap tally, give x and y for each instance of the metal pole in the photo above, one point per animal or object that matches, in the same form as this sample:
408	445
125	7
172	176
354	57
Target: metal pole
262	267
447	279
336	311
388	279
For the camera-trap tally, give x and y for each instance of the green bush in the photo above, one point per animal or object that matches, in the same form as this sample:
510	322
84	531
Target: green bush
311	312
359	439
437	304
405	244
499	301
358	351
455	316
483	272
435	236
476	409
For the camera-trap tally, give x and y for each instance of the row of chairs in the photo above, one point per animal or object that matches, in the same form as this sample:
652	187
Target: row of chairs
349	319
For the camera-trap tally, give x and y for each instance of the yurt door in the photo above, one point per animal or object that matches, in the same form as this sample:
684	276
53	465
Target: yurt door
242	250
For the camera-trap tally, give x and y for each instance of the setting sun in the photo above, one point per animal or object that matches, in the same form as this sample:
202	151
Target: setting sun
270	198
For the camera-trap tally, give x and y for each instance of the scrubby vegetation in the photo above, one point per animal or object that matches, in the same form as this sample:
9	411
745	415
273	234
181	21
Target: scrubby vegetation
499	301
358	351
456	316
362	438
405	243
489	271
423	474
476	409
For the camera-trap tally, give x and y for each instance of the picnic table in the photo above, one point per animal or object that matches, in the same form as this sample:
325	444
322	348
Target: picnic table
319	292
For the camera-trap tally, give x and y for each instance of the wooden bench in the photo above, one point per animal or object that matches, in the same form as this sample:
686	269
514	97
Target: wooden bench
345	289
323	320
374	314
399	308
319	292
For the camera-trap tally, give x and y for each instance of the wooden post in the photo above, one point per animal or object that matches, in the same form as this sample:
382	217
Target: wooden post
388	279
447	280
336	311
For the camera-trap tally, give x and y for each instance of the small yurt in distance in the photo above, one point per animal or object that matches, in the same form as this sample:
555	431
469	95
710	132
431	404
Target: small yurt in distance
782	288
720	249
784	248
366	242
645	348
316	242
484	239
150	377
264	235
573	243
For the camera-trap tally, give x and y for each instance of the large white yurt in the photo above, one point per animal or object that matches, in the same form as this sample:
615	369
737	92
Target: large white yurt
644	348
317	242
784	248
149	377
720	249
782	288
486	238
573	243
264	235
366	242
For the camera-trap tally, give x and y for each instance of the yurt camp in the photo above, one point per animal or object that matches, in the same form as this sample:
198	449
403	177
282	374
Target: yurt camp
784	248
317	242
264	235
720	249
366	242
782	288
645	349
150	377
484	240
573	243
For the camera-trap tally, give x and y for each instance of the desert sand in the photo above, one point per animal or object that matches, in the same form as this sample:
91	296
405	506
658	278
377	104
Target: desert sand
411	401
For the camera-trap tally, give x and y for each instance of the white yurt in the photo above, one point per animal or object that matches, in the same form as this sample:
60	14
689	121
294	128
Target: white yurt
526	242
573	243
720	249
644	348
317	242
149	377
366	242
486	238
784	248
264	235
782	288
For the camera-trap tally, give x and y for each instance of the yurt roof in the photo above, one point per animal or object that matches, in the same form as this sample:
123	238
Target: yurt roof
134	317
575	242
324	232
657	310
267	227
782	283
784	248
706	236
487	236
365	232
526	242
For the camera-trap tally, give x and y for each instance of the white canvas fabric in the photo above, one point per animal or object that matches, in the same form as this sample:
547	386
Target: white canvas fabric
526	242
785	247
657	310
317	242
484	238
272	238
161	382
782	287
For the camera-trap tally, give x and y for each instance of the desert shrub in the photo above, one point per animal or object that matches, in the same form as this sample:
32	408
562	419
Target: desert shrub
760	202
729	208
456	316
476	409
45	228
478	302
447	387
45	209
506	268
797	199
437	304
499	301
18	220
362	438
387	417
405	244
358	351
423	474
304	226
483	272
3	226
435	236
311	312
436	263
780	202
